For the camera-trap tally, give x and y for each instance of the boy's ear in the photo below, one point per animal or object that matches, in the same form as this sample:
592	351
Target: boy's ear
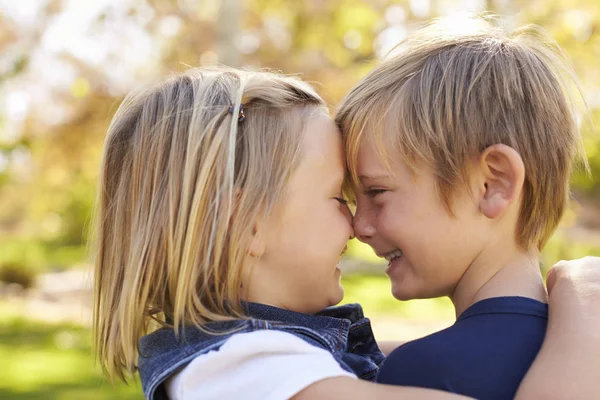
257	243
503	175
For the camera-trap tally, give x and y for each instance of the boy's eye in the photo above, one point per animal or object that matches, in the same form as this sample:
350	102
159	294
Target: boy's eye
374	192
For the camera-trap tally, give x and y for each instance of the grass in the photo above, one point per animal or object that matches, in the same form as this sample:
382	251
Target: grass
52	362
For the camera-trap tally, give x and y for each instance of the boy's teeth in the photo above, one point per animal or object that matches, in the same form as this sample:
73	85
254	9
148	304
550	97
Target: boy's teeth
389	257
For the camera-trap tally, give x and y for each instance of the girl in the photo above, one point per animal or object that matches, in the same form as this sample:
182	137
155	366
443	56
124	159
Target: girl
220	222
221	210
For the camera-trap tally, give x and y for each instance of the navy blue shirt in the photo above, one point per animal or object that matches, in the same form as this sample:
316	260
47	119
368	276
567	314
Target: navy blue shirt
485	354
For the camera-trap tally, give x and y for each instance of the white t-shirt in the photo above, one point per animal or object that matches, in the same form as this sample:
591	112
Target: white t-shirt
261	365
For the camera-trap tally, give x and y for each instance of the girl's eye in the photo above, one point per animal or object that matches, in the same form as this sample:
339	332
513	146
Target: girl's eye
374	192
342	201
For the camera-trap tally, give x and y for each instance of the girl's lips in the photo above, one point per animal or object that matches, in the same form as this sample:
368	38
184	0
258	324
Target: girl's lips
344	251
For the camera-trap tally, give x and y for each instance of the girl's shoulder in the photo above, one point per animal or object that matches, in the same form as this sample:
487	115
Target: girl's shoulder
255	365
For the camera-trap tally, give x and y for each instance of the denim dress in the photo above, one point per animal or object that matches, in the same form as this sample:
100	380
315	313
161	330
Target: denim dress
343	331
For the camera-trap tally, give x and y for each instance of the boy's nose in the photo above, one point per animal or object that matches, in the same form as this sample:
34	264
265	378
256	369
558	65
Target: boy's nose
364	230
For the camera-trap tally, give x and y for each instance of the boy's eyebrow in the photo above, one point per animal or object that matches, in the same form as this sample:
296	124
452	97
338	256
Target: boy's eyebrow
372	177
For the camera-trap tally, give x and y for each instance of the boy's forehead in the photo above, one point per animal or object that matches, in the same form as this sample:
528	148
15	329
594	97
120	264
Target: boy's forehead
374	157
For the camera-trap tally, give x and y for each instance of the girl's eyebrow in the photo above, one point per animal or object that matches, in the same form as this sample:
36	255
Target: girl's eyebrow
337	180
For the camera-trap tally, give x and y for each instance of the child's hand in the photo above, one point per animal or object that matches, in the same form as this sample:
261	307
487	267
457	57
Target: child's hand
579	278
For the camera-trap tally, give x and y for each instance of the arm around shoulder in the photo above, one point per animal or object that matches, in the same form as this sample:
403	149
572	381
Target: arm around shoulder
568	363
342	388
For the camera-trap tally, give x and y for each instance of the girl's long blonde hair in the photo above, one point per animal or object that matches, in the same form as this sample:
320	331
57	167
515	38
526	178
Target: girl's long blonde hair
185	174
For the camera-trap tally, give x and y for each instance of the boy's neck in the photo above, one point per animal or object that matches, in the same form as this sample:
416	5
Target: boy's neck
499	273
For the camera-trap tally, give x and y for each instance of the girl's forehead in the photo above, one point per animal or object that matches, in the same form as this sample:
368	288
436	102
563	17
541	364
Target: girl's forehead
322	139
322	162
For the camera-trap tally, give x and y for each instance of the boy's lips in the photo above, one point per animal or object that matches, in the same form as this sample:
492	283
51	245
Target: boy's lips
395	262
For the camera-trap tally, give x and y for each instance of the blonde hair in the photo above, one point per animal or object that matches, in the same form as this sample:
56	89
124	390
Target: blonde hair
449	95
183	180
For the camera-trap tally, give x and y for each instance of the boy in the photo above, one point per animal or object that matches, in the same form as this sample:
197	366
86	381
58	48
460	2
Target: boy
461	148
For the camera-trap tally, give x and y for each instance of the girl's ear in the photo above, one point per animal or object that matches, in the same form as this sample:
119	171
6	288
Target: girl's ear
503	176
257	243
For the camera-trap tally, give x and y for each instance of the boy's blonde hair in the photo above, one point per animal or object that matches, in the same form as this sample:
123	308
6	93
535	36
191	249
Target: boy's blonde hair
449	95
184	178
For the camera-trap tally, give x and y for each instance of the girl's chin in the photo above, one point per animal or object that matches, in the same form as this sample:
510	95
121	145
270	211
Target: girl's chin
337	296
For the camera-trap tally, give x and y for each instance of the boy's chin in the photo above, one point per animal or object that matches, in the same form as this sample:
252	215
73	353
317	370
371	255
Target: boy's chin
402	296
404	292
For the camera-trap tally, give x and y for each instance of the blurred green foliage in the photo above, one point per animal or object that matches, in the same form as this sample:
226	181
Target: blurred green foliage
372	291
59	97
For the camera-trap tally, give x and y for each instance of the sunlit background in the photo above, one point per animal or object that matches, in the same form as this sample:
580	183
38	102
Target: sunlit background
64	67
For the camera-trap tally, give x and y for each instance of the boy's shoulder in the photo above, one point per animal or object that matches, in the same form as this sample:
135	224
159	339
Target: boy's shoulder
508	306
487	351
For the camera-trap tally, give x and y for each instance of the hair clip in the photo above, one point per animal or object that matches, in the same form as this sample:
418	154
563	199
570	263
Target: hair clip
241	115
